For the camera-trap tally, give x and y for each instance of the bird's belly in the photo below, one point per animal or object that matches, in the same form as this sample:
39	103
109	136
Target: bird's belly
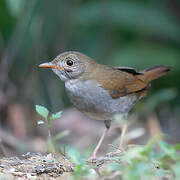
94	101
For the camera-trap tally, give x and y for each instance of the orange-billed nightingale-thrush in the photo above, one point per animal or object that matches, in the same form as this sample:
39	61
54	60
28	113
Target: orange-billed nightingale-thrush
101	91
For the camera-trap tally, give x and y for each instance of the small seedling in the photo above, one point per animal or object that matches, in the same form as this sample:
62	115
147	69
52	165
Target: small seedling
47	121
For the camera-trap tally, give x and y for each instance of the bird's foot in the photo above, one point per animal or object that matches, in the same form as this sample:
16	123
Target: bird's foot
115	153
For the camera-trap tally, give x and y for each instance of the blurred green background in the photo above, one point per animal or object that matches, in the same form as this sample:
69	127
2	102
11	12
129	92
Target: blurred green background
135	33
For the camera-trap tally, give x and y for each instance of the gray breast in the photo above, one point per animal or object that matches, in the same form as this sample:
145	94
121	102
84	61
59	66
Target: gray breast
90	98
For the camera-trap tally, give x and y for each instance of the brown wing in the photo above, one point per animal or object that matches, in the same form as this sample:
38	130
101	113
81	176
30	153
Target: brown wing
121	81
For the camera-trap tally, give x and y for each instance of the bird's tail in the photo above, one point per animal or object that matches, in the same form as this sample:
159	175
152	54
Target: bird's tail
154	73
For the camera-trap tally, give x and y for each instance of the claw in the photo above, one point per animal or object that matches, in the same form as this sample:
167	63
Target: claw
116	153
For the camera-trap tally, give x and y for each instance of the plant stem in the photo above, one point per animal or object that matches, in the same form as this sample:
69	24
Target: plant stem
51	147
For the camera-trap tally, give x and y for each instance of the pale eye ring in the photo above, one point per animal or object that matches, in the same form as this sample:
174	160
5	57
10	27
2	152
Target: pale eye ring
69	62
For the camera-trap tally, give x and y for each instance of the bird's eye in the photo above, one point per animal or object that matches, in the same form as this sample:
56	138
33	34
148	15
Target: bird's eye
69	62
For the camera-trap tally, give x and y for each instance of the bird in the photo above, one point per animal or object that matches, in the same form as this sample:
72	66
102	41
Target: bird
100	91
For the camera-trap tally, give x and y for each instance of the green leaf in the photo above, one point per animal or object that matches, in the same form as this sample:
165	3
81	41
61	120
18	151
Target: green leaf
133	153
140	169
80	171
169	150
114	166
42	111
176	147
40	122
74	155
55	115
176	169
61	134
150	145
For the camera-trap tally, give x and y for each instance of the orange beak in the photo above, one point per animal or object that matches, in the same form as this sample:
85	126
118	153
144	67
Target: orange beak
50	65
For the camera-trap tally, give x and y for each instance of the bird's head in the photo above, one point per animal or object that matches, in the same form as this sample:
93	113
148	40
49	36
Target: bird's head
70	65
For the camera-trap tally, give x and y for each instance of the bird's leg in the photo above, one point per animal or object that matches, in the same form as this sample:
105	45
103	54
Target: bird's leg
124	129
107	124
123	132
122	138
93	156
